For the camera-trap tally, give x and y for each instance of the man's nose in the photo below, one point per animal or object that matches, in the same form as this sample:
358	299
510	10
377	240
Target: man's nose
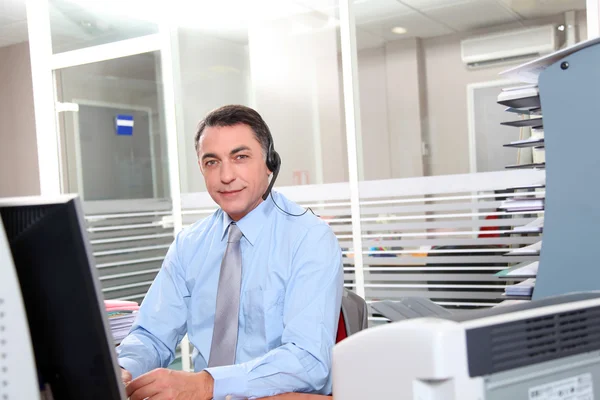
227	173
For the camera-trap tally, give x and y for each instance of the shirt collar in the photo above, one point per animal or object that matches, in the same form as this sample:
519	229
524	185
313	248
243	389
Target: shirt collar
251	224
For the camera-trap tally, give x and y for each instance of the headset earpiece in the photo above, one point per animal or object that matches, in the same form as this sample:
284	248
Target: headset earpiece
273	160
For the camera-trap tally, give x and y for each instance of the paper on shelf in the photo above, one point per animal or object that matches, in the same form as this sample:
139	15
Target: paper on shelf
524	288
530	142
523	270
522	204
529	269
117	305
527	250
518	92
536	223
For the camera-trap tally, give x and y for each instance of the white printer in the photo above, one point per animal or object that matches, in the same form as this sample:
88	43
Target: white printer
543	350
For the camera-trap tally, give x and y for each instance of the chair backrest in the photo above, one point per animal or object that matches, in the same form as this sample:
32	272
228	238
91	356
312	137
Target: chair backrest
341	332
353	315
489	228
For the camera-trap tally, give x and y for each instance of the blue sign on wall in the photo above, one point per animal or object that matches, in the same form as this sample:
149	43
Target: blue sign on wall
124	125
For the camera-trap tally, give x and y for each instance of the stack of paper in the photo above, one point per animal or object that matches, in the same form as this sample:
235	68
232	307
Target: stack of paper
540	165
531	142
524	111
523	289
538	152
531	250
534	186
535	226
522	204
120	305
120	325
526	96
121	316
536	122
524	100
522	270
511	302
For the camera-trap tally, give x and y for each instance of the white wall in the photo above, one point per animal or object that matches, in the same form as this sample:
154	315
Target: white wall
406	106
446	79
19	173
392	104
373	88
331	118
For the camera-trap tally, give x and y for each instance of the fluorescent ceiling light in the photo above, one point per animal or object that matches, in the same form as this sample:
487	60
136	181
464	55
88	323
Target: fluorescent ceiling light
398	30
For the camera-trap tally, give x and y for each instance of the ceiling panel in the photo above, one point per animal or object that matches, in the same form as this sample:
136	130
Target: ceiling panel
327	7
264	9
12	10
375	10
13	22
543	8
416	25
15	32
472	14
428	4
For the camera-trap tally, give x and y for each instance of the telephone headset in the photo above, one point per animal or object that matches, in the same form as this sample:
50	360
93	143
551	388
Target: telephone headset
274	164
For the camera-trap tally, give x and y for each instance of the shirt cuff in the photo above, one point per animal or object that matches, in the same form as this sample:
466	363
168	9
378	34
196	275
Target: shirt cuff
231	380
130	365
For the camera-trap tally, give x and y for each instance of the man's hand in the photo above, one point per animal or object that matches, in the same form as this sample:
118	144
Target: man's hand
125	376
165	384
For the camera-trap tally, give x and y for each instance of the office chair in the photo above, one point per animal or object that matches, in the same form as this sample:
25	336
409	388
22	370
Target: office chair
353	315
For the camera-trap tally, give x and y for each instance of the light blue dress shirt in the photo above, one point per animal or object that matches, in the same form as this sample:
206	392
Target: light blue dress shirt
292	282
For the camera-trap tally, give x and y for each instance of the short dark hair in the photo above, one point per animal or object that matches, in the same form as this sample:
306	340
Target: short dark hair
234	114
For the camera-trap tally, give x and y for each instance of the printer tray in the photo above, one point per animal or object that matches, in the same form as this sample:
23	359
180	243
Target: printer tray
409	307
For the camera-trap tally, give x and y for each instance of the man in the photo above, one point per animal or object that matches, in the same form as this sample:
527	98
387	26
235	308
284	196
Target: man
261	328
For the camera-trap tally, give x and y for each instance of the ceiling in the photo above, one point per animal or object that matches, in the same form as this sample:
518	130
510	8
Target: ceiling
429	18
13	22
76	26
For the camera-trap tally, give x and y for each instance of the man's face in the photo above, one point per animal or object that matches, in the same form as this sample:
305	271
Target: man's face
234	169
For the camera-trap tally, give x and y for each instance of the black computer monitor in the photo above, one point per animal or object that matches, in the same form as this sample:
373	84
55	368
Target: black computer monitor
73	347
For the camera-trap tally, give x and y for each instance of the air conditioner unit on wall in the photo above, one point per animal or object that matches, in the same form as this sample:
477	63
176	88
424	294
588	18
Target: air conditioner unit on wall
509	46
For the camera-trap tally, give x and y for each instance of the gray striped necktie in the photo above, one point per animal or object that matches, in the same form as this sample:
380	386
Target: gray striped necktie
225	333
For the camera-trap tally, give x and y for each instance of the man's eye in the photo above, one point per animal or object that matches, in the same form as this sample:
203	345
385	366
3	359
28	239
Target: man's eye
241	157
210	163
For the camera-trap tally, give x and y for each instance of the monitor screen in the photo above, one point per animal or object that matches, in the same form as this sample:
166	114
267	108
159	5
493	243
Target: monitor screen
73	348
